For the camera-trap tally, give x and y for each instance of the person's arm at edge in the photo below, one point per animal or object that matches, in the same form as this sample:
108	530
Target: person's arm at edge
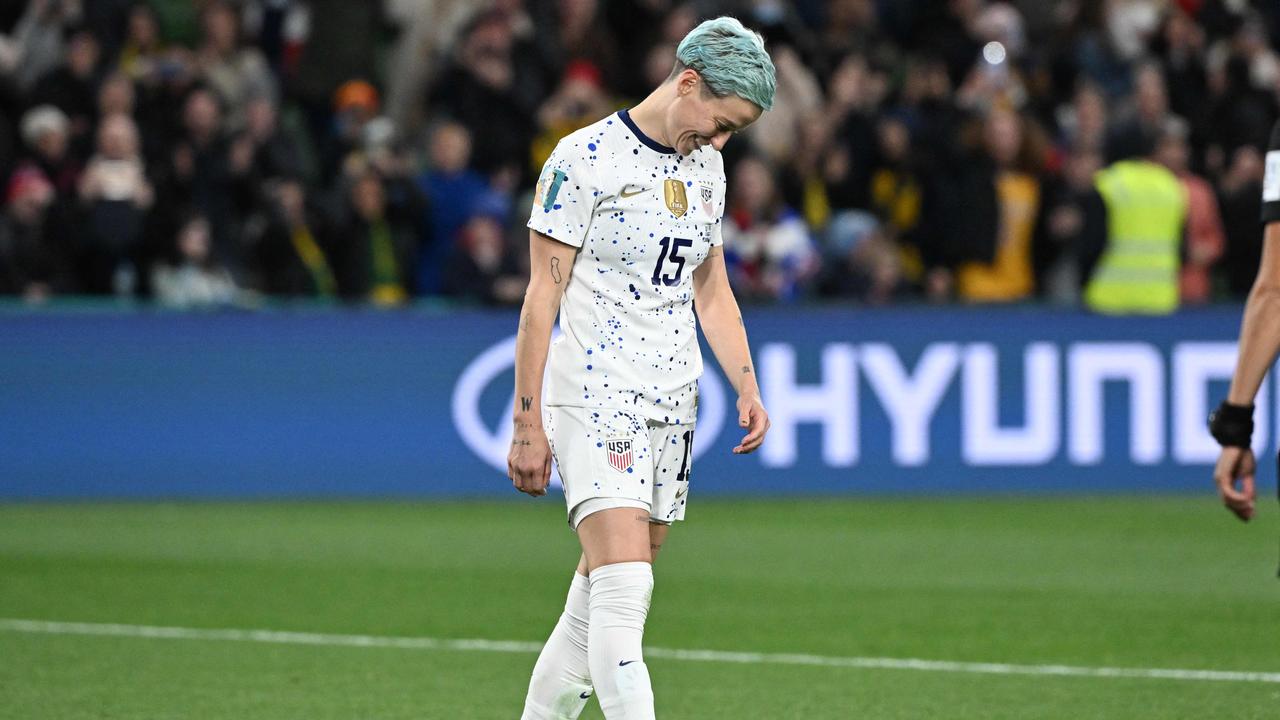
721	322
1260	327
1259	345
550	264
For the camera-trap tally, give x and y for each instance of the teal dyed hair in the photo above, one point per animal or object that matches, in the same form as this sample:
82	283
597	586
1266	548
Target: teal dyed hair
731	60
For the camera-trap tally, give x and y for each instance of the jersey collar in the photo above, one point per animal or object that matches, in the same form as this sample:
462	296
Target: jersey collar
625	116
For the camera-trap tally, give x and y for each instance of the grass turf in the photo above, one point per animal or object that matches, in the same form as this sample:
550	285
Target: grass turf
1152	582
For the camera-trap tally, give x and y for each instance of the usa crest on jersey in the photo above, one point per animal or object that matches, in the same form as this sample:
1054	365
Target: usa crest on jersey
620	456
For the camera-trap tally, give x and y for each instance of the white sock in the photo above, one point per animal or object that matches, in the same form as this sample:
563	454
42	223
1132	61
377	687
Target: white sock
561	682
619	604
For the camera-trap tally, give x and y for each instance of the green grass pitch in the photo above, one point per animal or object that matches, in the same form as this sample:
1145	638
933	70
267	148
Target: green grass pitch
1152	582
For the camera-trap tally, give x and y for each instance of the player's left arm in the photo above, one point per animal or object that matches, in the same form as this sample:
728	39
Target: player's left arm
721	322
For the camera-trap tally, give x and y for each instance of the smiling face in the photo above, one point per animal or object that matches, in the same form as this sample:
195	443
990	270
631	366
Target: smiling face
698	118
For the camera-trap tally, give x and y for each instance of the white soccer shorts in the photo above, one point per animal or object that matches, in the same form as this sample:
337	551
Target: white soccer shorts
612	458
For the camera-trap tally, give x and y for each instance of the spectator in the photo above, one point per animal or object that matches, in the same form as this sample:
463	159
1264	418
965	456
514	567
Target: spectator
203	174
480	269
848	26
1241	113
1180	48
1240	197
36	47
804	180
292	259
1075	230
236	72
483	88
453	190
883	97
896	194
376	250
355	105
1146	118
143	56
1086	51
330	42
1205	238
798	96
580	34
116	96
1146	211
116	196
162	76
954	36
995	213
194	278
1083	123
273	153
768	249
853	94
34	261
72	87
579	101
862	262
46	132
658	63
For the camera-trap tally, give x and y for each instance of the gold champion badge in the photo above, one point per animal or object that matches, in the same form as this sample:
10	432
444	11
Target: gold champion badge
677	202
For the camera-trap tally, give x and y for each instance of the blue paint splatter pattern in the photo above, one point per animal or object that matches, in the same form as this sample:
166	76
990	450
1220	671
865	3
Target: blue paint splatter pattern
660	455
644	219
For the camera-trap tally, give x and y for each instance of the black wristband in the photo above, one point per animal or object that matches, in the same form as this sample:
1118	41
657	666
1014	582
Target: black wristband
1232	425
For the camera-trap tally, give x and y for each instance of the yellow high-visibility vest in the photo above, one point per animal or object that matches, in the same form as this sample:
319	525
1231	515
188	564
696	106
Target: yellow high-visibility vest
1138	272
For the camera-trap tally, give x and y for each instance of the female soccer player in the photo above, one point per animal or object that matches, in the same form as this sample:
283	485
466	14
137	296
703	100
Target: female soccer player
1232	423
625	243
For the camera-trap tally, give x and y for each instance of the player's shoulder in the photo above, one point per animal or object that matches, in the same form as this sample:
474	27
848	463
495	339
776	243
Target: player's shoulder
591	141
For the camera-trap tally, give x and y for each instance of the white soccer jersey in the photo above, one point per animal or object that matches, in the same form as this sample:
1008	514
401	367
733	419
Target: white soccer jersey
645	218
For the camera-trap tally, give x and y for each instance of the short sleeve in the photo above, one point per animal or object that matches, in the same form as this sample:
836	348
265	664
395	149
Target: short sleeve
1271	180
564	199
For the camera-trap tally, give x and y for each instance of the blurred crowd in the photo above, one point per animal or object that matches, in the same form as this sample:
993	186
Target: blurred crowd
210	152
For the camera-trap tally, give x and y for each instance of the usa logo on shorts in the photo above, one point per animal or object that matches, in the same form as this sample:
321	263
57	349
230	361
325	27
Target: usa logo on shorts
619	454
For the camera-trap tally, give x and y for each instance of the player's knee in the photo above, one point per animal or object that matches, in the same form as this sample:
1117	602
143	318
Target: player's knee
620	595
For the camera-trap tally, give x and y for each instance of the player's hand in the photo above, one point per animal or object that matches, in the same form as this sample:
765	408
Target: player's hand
753	418
1236	464
529	462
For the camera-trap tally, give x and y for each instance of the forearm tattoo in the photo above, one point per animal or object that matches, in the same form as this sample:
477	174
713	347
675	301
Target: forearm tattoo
746	369
555	270
526	402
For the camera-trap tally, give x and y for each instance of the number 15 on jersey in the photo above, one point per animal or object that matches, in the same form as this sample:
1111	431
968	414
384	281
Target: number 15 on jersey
670	251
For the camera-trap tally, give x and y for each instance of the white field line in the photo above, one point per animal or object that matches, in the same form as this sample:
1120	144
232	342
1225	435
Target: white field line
713	656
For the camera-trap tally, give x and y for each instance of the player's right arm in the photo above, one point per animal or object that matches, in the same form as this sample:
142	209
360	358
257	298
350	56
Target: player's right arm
1259	345
550	264
1232	422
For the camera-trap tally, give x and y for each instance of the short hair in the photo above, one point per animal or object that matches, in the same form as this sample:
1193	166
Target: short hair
731	60
43	119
